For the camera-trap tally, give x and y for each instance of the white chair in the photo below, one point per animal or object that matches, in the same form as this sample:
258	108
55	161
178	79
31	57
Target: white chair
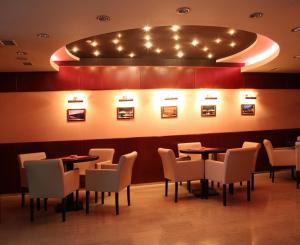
221	157
279	157
47	179
298	138
298	163
23	179
114	178
237	167
179	170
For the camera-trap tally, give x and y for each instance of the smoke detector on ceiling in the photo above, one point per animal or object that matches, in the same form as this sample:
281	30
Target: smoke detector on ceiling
183	10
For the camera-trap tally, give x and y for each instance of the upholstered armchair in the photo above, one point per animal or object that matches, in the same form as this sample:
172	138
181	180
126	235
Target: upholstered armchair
47	179
297	156
237	167
112	178
176	171
221	157
23	178
279	157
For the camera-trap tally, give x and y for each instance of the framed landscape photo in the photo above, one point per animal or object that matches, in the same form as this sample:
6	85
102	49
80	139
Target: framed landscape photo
248	109
208	110
125	113
75	115
168	111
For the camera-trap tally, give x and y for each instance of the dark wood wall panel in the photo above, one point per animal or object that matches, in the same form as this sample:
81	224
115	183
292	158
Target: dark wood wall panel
148	167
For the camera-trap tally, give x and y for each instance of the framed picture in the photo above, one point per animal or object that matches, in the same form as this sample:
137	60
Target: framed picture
74	115
208	110
168	111
248	109
125	113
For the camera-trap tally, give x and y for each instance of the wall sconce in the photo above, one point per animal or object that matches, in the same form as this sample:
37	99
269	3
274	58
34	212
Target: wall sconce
125	99
210	97
250	97
75	99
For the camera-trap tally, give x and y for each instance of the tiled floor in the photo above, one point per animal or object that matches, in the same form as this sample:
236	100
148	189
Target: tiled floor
272	217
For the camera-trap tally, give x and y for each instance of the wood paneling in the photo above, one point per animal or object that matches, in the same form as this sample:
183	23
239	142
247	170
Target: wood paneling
148	167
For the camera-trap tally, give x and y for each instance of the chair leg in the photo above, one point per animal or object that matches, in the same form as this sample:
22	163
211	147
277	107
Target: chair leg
23	190
218	184
117	202
128	195
109	194
166	187
252	181
212	184
293	172
63	209
180	182
189	186
231	188
176	191
102	197
298	178
38	204
241	183
87	202
77	199
31	209
45	204
248	191
96	196
224	195
273	174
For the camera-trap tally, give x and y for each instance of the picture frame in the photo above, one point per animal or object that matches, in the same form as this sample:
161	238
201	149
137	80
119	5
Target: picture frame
248	109
76	115
169	112
208	111
125	113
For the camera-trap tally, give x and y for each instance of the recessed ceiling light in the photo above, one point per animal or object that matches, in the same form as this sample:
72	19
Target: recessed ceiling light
74	49
296	56
177	46
195	42
183	10
256	15
147	37
116	41
176	37
175	28
209	56
205	49
180	54
21	53
146	28
119	48
232	44
43	35
131	55
231	31
158	50
148	44
21	58
103	18
89	41
119	35
218	40
94	43
96	53
295	29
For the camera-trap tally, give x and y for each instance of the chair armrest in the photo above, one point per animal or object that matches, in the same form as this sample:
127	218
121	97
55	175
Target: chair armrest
214	170
183	158
221	157
71	181
284	156
109	166
99	164
104	180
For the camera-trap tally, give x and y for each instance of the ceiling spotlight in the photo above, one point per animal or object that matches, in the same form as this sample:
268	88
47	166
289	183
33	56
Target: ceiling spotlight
205	49
43	35
175	28
74	49
232	44
103	18
94	43
183	10
180	54
120	48
116	41
295	29
96	53
148	44
218	40
195	42
89	41
131	55
158	50
147	37
119	35
256	15
146	28
21	53
209	56
231	31
176	37
177	46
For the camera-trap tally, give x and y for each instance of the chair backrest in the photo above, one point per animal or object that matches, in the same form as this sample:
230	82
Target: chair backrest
269	149
189	145
297	144
257	146
125	166
104	154
168	161
238	164
30	156
45	178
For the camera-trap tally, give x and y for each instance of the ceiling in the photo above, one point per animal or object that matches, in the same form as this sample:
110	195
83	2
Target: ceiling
71	20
